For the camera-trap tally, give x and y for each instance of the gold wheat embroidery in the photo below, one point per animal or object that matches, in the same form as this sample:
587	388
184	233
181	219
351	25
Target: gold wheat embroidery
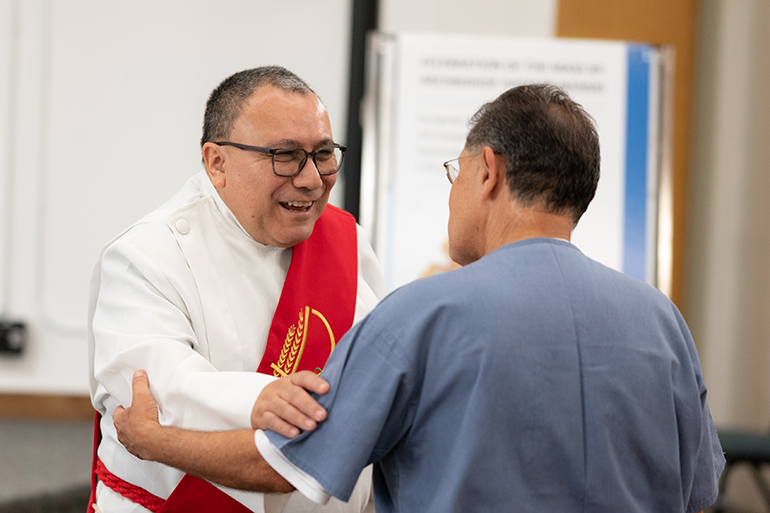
290	353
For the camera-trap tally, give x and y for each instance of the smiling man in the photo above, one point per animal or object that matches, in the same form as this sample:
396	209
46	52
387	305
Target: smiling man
273	210
245	276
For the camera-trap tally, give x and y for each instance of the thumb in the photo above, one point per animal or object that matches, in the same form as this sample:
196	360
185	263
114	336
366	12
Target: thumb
140	395
140	385
141	400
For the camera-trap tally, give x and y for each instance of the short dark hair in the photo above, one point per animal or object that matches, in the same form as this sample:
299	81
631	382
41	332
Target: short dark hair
550	145
226	101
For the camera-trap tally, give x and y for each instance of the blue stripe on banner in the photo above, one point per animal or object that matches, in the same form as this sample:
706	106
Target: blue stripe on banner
635	223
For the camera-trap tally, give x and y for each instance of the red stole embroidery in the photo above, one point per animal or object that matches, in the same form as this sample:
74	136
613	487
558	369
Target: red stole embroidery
318	300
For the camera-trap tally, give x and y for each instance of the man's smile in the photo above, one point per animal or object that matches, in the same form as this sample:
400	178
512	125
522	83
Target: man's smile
297	206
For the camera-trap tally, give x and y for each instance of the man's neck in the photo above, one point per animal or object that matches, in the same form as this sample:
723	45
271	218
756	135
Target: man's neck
522	223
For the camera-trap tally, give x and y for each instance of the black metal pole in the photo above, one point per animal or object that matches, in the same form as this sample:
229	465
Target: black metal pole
364	19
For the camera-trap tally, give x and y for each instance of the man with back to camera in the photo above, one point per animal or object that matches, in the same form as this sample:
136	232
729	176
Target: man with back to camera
532	379
223	280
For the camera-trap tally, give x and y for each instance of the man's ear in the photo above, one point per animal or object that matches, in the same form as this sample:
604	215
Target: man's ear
494	168
214	161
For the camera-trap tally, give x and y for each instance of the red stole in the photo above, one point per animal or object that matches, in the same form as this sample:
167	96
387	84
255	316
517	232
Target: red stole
318	301
316	309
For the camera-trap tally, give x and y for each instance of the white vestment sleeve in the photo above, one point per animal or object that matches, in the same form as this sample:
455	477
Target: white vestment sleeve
369	267
142	322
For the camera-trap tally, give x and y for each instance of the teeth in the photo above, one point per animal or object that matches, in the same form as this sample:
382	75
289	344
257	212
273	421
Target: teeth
299	204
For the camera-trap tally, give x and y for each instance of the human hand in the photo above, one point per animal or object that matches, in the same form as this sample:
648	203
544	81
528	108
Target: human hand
138	425
285	405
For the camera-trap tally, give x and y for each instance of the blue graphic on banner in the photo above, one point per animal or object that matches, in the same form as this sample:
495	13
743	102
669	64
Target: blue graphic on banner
635	222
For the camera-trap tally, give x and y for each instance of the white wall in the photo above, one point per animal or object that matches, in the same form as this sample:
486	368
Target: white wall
101	105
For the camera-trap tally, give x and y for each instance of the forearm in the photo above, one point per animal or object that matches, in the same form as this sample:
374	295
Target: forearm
229	458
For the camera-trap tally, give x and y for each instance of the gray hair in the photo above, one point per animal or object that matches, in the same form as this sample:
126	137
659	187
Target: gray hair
227	100
549	143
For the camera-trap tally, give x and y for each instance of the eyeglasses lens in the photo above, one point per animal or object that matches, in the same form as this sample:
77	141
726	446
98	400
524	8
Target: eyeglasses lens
451	172
289	162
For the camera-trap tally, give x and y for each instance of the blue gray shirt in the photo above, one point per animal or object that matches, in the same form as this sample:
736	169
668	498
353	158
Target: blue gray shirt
532	380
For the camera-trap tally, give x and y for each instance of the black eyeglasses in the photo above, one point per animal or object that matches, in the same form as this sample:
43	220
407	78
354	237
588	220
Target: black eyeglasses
288	162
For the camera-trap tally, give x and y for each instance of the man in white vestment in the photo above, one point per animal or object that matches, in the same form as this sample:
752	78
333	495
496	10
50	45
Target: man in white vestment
189	292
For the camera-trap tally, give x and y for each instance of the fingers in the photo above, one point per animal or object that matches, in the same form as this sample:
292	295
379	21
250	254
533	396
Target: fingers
310	381
275	410
297	408
280	426
285	406
299	398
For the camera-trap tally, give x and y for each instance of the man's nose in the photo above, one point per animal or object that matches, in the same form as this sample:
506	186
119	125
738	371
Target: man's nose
308	177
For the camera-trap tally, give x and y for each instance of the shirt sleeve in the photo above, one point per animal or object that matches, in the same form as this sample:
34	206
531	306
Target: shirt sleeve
370	408
306	484
709	466
141	321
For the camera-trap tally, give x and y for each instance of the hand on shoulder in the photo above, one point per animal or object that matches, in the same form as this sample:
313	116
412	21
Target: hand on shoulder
286	406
